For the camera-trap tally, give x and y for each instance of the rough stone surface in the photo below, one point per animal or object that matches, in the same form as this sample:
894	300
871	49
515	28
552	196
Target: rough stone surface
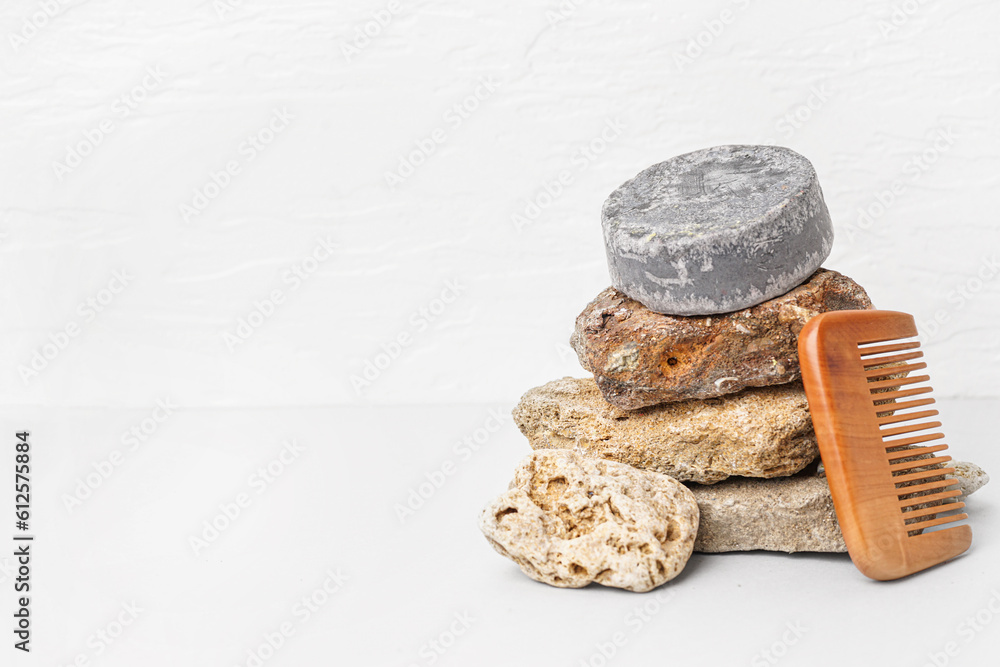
789	514
970	477
765	432
567	520
717	230
640	357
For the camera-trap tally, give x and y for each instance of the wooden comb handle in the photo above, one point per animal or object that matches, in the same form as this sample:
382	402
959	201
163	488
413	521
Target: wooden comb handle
854	369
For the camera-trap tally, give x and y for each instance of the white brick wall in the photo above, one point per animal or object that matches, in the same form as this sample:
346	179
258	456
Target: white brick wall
587	94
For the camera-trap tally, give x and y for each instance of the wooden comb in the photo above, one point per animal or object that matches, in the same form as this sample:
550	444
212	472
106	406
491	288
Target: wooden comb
886	475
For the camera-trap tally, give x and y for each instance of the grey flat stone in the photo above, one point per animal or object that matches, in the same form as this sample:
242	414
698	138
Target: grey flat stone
787	514
717	230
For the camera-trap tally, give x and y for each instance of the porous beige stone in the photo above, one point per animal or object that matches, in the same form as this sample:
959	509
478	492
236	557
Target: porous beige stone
640	357
789	514
567	520
760	432
970	477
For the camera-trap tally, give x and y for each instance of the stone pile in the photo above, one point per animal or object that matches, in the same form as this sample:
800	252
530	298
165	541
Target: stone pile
694	433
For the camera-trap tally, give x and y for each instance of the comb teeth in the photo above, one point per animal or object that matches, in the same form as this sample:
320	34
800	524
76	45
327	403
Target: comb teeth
917	465
886	371
875	424
895	419
931	510
921	476
929	498
937	521
896	358
915	451
901	393
906	405
867	351
909	428
896	382
912	489
915	440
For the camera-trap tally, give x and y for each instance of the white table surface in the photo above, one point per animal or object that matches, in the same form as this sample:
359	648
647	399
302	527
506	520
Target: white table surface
331	510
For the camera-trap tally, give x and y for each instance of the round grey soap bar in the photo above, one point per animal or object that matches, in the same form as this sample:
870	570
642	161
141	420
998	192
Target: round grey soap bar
717	230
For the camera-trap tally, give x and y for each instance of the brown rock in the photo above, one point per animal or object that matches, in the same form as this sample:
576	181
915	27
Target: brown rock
762	432
567	521
789	514
641	358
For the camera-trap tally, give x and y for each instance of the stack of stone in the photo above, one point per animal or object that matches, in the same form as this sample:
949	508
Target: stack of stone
694	433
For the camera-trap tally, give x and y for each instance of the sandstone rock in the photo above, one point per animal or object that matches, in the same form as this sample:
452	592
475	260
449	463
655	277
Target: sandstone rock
642	358
789	514
765	432
568	521
717	230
